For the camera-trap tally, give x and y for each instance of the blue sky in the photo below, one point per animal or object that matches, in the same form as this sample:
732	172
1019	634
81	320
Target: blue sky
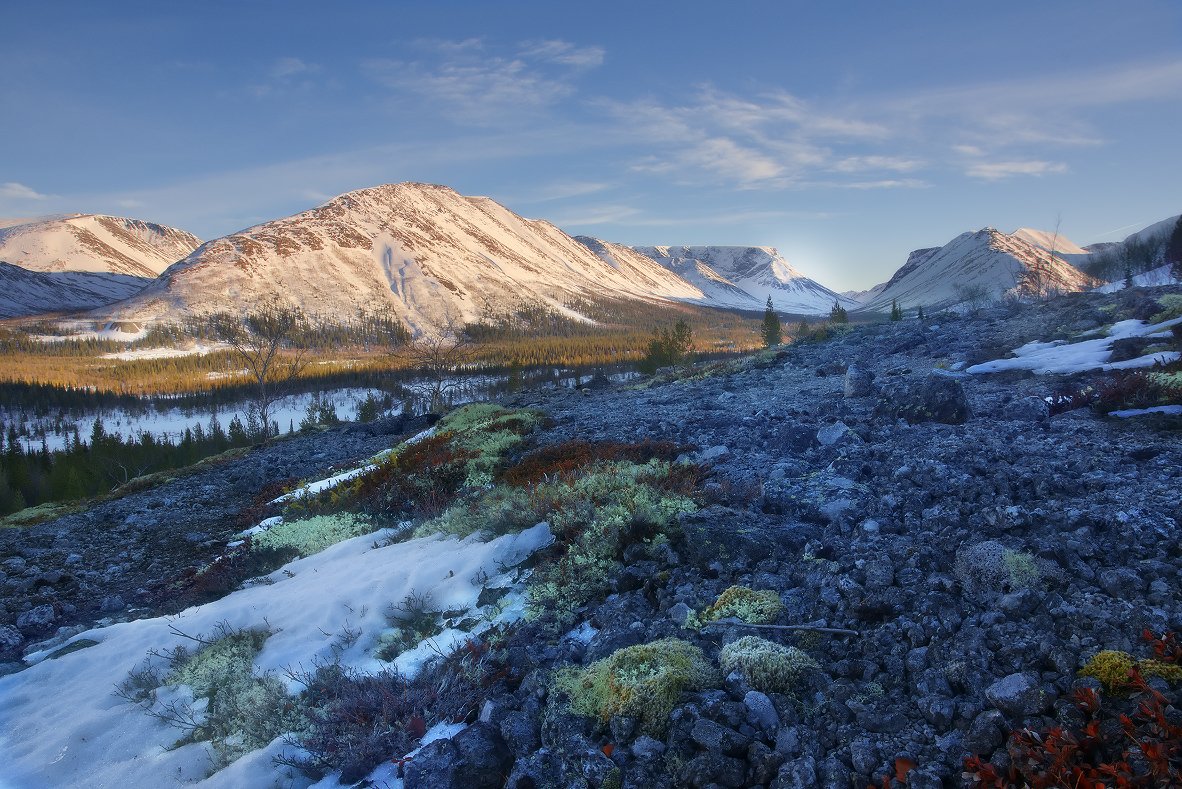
845	133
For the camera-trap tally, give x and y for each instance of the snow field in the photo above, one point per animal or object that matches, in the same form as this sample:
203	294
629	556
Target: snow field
61	725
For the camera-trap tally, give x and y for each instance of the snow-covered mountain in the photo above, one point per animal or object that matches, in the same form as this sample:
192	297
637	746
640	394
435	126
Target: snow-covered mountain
744	277
1059	244
425	252
24	292
94	243
981	266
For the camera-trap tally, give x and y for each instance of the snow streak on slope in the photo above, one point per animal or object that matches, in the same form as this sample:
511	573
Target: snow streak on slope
425	252
1048	240
24	292
987	261
95	243
745	277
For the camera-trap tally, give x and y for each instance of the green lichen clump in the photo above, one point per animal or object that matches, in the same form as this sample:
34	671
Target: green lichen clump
989	569
766	665
312	535
643	681
1113	669
596	516
1171	307
1023	571
741	602
488	432
242	712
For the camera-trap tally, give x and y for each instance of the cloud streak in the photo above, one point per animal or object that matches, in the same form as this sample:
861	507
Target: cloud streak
11	190
473	83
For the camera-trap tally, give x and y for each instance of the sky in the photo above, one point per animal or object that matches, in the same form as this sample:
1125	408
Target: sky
845	134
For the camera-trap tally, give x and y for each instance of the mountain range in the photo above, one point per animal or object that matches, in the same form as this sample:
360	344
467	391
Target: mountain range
978	267
82	261
433	256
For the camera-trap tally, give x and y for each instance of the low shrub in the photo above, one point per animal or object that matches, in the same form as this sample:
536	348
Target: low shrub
1130	738
226	573
561	461
643	681
356	721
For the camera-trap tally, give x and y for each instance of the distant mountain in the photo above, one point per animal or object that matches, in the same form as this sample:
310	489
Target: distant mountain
425	252
1139	253
985	265
24	292
94	243
744	277
1049	241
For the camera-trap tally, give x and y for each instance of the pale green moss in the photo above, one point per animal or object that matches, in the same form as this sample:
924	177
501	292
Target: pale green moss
243	712
741	602
489	432
766	665
1023	571
643	681
1171	307
312	535
1112	667
594	515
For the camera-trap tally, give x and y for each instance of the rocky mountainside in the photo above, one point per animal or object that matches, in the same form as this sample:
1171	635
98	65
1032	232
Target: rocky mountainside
94	243
425	252
954	551
1049	241
982	267
24	292
744	277
83	261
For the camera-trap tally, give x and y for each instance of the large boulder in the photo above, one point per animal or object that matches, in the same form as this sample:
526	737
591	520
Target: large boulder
936	398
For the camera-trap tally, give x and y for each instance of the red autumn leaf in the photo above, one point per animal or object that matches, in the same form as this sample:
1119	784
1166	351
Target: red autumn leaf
416	726
902	767
608	749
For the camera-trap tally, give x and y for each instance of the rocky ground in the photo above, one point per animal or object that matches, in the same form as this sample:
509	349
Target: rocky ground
117	560
981	549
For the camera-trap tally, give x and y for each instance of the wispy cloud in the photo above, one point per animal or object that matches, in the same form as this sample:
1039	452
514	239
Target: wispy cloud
770	141
11	190
287	73
996	171
861	164
285	68
562	190
476	83
564	52
887	183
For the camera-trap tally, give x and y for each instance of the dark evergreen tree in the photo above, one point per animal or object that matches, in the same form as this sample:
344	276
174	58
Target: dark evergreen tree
896	311
772	334
1174	251
838	314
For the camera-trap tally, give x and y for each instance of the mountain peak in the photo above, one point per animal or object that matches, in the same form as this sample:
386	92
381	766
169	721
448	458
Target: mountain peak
95	243
746	277
423	251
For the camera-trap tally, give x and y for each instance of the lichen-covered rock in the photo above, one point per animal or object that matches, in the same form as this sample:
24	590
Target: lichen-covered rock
741	602
37	618
936	398
642	681
765	665
1018	694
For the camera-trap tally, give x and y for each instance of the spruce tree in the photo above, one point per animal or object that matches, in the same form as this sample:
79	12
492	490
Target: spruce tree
896	310
772	334
1174	251
838	314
